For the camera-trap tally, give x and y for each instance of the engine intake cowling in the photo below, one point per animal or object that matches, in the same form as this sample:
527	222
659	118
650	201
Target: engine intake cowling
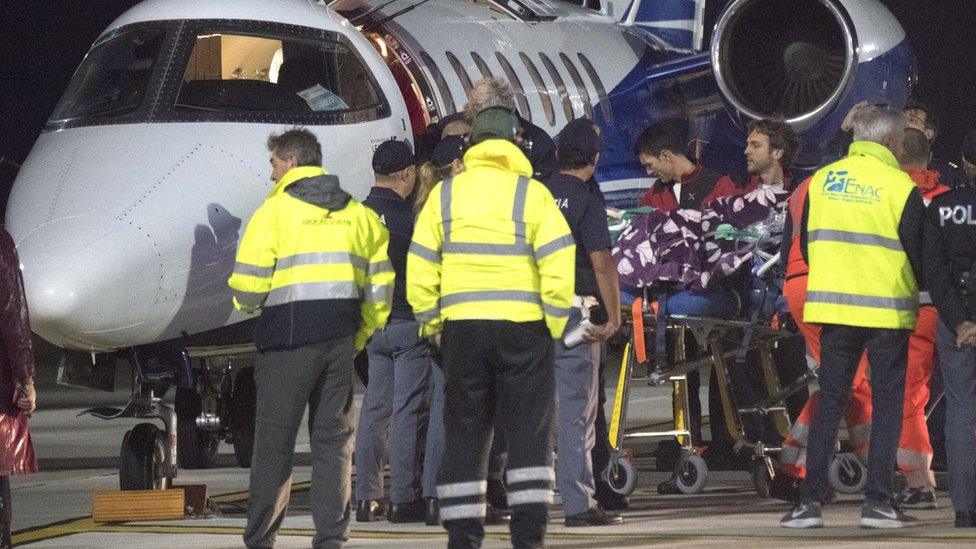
790	59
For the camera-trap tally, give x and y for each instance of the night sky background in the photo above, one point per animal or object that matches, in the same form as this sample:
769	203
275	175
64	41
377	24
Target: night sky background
43	41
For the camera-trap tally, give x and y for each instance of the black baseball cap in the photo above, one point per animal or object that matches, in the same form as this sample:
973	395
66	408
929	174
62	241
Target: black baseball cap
448	150
580	139
969	147
392	156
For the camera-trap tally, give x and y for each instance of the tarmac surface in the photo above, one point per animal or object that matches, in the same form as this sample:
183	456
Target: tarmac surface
78	455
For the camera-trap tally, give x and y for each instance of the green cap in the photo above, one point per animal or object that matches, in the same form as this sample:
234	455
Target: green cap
494	123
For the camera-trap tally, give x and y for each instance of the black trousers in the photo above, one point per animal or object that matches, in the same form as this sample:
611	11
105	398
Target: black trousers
840	351
489	366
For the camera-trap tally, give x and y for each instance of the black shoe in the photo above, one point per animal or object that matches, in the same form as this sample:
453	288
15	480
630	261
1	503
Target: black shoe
494	515
669	487
785	487
413	511
608	499
432	511
369	510
874	515
965	519
594	516
918	498
803	515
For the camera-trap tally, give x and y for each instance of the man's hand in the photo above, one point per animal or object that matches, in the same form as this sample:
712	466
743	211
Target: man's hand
25	397
848	122
966	334
601	333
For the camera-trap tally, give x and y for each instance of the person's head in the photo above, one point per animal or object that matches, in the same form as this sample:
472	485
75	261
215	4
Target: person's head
770	142
446	161
969	155
660	149
495	123
459	127
922	118
393	166
487	93
882	125
291	149
578	146
916	152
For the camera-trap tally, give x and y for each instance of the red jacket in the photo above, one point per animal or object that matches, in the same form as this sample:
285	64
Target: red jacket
928	183
698	188
16	349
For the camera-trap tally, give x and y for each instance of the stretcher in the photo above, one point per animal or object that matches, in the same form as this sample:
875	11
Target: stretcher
655	355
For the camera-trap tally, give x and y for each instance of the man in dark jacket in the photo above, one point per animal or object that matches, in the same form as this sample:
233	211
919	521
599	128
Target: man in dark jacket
950	258
393	415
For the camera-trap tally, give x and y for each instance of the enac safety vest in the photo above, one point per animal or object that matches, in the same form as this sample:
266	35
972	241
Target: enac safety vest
315	261
859	272
491	244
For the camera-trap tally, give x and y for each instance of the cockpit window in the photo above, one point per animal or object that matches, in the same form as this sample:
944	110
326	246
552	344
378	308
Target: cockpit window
230	72
207	70
113	80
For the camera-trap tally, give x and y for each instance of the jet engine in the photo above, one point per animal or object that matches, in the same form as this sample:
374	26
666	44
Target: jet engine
805	60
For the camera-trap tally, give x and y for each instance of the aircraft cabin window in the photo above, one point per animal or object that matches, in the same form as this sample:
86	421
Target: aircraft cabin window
228	72
601	92
560	86
541	88
482	66
441	84
513	79
461	73
114	77
580	85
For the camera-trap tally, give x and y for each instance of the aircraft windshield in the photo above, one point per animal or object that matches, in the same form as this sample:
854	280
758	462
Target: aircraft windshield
229	72
113	78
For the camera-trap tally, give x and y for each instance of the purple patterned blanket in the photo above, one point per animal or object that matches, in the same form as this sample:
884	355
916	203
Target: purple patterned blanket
680	246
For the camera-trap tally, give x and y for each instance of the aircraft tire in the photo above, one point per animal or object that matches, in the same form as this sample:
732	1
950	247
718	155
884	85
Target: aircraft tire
142	454
196	448
243	404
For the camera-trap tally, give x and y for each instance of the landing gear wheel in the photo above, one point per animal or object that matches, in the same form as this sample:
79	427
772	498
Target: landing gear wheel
243	404
690	474
847	474
621	476
196	448
141	459
761	479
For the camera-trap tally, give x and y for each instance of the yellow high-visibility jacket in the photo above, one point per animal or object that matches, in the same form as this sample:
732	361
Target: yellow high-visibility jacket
491	244
860	274
314	260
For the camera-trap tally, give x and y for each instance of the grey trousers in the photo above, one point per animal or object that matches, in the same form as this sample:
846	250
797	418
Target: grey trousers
435	432
577	386
318	376
959	378
393	417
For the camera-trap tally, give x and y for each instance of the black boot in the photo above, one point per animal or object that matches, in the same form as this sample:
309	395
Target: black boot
369	510
432	511
407	512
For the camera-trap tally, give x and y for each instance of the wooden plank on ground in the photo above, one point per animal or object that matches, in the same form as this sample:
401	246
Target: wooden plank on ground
132	505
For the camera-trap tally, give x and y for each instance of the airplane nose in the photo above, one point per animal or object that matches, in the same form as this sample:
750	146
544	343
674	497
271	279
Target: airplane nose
88	280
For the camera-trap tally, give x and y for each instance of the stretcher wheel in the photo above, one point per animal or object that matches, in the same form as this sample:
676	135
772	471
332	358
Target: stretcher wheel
621	475
761	480
690	474
847	474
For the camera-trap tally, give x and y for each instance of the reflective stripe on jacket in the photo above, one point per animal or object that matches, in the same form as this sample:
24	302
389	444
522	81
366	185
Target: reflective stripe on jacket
315	261
859	272
491	244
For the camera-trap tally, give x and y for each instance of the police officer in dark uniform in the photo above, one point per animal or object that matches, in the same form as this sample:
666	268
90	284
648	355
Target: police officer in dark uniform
950	270
393	417
578	362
